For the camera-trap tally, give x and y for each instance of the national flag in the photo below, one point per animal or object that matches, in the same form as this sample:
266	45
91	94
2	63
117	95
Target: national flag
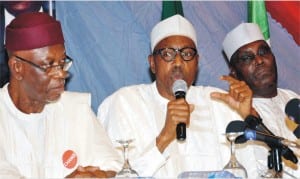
257	13
170	8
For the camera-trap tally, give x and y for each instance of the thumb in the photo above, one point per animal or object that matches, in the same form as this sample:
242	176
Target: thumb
80	168
192	107
220	96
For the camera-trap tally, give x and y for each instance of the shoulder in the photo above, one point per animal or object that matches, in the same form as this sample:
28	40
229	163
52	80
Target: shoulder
206	89
125	97
75	98
287	92
129	92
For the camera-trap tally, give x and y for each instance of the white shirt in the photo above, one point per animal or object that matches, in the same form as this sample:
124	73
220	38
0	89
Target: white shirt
271	110
138	112
32	145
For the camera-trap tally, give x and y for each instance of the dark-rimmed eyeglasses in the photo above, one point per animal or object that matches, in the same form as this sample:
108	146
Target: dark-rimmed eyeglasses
47	68
169	54
246	57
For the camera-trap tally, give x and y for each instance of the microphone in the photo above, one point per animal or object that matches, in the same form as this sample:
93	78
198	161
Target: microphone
179	90
255	123
268	139
236	127
292	110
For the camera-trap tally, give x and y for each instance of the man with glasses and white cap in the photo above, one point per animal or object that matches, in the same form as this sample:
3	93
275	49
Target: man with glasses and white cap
150	113
251	60
46	132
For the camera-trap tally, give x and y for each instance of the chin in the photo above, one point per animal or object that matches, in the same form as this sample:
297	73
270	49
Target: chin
53	99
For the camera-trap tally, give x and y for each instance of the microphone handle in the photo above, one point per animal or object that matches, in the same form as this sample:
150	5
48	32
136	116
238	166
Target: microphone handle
297	132
181	131
181	127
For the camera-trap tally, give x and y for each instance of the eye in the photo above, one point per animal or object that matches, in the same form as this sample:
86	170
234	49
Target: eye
246	57
187	53
167	53
264	50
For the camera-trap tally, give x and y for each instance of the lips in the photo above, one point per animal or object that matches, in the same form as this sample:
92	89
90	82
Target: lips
263	72
58	89
177	74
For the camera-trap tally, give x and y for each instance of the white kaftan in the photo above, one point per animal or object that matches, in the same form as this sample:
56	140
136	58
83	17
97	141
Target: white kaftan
32	145
138	112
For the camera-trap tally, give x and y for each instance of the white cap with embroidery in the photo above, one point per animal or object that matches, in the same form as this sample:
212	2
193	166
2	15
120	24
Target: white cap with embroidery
243	34
174	25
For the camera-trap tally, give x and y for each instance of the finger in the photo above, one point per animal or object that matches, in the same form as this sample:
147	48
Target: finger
91	168
84	175
181	117
100	174
191	107
233	90
80	168
178	101
229	79
245	94
220	96
239	90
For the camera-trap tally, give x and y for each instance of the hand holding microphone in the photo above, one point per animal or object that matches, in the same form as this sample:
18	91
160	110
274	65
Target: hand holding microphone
177	117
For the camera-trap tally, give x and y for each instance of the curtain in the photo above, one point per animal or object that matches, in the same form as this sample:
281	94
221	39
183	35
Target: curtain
110	43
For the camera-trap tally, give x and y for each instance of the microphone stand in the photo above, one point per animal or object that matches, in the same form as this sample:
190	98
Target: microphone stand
275	162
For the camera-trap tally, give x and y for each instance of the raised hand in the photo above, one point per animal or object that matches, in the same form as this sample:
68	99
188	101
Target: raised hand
239	96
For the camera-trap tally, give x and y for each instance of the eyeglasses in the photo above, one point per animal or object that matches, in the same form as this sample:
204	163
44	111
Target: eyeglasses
169	54
247	57
65	66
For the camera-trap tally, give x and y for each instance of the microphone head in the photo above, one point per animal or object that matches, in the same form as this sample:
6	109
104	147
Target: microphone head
252	121
179	85
240	139
235	127
292	110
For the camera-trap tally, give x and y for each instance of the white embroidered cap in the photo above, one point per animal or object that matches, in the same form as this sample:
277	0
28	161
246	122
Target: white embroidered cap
174	25
243	34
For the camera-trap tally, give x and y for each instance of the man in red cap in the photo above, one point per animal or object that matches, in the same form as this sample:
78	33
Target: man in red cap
44	131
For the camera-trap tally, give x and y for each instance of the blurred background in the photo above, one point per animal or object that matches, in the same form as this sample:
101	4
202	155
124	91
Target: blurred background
110	41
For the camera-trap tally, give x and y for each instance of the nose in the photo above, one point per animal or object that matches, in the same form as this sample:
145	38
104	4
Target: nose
59	73
178	59
259	60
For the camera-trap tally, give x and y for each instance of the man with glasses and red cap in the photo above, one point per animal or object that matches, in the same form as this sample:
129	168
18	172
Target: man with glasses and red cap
150	113
46	132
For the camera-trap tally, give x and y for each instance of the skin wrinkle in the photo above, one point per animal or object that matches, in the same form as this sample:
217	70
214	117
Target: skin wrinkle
260	74
179	110
167	72
36	88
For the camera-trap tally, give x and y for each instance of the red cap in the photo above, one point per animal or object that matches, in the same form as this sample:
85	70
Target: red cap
33	30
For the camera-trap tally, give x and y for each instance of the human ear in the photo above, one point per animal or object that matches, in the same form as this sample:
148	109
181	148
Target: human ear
16	68
233	73
152	63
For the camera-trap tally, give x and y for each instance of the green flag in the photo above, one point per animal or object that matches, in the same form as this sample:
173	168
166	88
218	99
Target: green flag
170	8
257	14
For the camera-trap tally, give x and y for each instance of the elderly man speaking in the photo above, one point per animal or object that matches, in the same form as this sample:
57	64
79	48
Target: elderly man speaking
44	131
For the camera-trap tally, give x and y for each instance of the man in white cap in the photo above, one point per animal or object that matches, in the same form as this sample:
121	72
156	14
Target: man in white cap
46	132
149	113
251	60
